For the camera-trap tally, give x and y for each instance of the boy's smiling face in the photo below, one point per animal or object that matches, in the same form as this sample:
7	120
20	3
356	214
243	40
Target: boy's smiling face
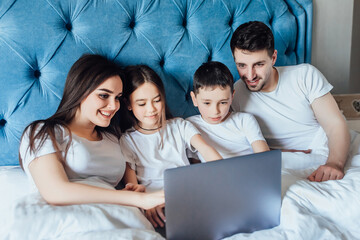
213	103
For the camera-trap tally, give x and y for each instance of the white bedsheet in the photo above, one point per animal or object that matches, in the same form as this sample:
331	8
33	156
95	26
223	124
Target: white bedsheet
310	210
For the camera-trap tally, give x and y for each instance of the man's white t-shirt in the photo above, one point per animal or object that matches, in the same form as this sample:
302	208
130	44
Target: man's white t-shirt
285	116
232	137
99	163
149	159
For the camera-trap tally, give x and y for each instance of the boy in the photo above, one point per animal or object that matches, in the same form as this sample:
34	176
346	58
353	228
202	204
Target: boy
231	134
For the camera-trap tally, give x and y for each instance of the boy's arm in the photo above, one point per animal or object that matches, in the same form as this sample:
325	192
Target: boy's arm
208	152
259	146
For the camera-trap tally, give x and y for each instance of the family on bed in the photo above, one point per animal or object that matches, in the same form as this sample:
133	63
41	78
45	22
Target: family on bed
89	138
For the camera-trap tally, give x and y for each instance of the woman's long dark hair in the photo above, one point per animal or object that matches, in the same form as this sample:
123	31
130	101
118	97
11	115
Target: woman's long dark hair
87	73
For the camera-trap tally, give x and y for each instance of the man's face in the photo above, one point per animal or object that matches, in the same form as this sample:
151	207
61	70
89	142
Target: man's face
255	69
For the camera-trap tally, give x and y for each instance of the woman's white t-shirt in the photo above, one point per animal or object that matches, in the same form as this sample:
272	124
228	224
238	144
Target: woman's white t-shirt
99	163
149	159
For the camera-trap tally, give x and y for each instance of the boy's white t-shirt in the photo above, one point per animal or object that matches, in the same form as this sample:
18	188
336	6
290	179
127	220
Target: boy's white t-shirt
99	163
149	159
230	138
285	115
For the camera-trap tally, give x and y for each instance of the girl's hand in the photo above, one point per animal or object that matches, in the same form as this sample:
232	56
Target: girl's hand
135	187
156	216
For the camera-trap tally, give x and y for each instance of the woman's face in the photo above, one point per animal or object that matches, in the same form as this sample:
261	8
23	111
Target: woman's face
98	108
147	105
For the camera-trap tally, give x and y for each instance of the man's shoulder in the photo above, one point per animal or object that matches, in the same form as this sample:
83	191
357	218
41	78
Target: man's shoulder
303	67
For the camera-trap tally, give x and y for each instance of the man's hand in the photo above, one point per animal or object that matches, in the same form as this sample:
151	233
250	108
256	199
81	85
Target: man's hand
327	172
135	187
156	216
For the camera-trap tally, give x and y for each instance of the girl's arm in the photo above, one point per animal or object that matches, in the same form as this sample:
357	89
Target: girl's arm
260	146
130	180
208	152
54	186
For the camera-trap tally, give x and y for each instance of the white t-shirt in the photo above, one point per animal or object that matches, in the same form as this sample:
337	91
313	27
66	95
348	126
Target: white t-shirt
231	138
99	163
149	160
285	115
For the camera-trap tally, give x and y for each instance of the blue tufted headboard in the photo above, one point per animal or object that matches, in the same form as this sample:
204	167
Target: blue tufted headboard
41	39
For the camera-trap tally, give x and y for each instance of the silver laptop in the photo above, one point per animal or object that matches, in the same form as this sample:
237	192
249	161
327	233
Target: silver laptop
218	199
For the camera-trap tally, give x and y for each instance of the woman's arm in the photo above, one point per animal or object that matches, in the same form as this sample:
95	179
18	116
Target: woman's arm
208	152
260	146
54	186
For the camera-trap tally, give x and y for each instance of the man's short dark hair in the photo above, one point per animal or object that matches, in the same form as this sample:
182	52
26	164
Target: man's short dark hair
253	36
213	74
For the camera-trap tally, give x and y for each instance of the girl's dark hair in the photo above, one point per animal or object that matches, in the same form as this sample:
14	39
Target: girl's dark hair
253	36
135	76
213	74
87	73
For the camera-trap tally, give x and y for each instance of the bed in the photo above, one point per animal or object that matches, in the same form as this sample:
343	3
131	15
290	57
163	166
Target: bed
41	39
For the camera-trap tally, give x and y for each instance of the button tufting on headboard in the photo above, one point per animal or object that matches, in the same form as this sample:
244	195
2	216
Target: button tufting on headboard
2	122
68	26
37	73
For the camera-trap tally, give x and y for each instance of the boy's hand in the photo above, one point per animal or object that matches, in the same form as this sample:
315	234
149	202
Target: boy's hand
156	216
135	187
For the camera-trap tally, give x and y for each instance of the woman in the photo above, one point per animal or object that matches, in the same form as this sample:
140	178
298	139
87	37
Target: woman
80	142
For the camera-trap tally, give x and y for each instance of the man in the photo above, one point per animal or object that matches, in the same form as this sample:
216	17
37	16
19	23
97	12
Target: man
293	104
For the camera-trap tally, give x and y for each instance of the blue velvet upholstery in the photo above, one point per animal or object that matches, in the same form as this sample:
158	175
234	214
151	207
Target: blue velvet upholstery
41	39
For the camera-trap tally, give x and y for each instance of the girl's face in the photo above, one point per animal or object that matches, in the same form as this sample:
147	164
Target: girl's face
100	106
147	105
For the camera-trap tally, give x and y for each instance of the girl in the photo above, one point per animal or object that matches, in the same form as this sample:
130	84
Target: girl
80	142
155	142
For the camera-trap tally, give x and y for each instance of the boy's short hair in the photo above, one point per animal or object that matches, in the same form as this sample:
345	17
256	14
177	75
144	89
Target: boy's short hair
212	74
253	36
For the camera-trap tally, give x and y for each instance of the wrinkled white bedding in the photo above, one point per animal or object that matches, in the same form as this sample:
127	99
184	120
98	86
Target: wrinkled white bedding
310	210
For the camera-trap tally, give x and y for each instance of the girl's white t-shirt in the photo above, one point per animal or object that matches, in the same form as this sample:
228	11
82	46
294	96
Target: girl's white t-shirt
230	138
99	163
149	159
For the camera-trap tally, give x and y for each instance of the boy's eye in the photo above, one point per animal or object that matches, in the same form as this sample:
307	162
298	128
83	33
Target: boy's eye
224	103
158	100
206	103
141	104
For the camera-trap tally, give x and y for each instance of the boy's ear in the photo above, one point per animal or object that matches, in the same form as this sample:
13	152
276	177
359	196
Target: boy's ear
193	98
233	94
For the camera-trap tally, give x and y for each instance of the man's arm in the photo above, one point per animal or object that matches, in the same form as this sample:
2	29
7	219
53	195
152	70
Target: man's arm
331	120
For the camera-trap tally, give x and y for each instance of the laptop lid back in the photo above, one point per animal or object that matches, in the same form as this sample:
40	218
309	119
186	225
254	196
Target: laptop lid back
218	199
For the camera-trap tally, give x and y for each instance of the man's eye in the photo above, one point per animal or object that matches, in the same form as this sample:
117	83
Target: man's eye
260	64
103	96
241	65
224	103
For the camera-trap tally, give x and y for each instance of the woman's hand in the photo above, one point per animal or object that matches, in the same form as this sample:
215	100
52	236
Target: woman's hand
154	199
